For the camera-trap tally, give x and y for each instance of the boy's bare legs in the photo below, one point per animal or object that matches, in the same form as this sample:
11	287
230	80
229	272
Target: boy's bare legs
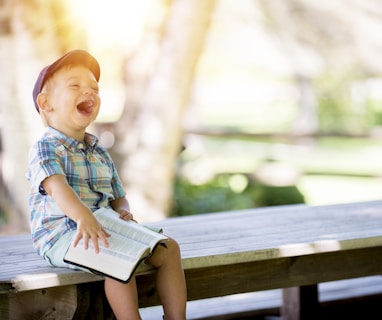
171	284
123	299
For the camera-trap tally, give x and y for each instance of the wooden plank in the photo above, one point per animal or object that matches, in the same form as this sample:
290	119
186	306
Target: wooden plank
340	296
75	302
53	303
240	251
350	288
281	228
271	274
262	303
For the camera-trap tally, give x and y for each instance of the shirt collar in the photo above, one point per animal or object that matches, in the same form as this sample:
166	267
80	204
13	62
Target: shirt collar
89	143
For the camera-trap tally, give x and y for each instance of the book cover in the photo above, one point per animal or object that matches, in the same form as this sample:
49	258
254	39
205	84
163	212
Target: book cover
129	244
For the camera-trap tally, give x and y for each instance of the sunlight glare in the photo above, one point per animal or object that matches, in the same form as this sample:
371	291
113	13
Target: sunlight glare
114	29
112	22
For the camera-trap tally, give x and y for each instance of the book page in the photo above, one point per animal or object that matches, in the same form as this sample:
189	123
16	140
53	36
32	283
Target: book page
129	244
111	221
119	260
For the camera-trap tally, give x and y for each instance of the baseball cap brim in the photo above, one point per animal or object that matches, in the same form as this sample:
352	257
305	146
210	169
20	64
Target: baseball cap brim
74	57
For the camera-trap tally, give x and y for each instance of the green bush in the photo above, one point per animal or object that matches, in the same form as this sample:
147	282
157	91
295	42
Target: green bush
217	195
265	195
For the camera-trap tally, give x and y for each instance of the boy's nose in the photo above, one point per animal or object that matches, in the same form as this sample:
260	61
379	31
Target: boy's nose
87	91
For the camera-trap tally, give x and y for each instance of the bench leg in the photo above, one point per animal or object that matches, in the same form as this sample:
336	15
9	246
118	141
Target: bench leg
43	304
300	303
78	302
92	303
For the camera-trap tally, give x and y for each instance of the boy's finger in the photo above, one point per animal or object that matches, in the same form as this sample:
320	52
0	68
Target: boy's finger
77	238
103	235
95	244
127	216
107	234
104	240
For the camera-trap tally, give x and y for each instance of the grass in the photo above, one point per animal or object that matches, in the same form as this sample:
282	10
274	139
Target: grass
332	170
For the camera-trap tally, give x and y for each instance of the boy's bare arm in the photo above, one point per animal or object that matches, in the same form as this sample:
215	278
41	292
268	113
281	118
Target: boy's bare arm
121	205
67	199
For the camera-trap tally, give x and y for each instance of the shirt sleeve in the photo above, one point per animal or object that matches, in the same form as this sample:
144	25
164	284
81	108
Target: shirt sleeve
43	162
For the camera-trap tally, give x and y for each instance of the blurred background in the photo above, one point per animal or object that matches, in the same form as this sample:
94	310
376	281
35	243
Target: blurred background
207	105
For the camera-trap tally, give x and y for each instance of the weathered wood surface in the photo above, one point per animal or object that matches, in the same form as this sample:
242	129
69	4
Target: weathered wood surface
275	232
22	270
278	247
239	251
344	295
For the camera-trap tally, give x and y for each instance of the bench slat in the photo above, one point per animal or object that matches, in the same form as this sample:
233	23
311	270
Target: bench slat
242	236
234	252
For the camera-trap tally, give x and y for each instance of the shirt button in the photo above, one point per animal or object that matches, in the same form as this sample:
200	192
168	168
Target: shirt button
80	146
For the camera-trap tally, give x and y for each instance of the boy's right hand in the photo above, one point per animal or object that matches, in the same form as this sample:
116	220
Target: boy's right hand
89	229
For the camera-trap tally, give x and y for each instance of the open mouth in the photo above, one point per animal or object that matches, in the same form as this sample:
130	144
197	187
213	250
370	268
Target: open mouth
85	107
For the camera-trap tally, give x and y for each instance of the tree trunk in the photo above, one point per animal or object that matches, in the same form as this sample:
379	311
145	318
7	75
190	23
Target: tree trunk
13	135
26	47
150	131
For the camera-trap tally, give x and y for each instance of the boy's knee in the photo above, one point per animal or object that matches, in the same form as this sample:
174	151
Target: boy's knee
172	246
170	251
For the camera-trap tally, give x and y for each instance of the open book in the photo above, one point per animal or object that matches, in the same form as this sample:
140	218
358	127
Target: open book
129	244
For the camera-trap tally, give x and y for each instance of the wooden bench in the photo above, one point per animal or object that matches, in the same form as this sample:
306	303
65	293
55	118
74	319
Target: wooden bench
357	298
292	247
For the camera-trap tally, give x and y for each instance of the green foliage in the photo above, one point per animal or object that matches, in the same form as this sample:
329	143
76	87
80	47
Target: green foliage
213	196
217	195
333	98
339	110
3	218
266	195
376	106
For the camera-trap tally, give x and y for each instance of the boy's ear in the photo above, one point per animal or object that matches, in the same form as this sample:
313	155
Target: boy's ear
42	101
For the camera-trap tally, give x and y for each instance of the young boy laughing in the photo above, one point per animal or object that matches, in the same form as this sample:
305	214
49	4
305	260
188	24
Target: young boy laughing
72	176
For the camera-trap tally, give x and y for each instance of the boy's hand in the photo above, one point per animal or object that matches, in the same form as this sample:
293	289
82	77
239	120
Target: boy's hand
125	214
121	205
89	229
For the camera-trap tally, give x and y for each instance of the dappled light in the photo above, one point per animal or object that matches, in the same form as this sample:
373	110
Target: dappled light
120	25
267	94
277	174
291	250
116	22
27	281
248	131
238	182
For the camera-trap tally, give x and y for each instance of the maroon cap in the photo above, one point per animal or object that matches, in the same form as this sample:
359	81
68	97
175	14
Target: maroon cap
75	57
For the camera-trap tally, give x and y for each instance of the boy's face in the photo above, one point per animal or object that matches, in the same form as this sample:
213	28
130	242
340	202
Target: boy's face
71	100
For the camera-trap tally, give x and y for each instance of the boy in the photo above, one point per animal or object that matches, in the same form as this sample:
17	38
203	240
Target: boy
71	176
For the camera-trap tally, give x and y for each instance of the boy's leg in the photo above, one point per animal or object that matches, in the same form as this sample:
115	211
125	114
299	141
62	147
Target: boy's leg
123	299
171	283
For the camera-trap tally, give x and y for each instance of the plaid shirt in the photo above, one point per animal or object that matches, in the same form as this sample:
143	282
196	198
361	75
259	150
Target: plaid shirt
89	170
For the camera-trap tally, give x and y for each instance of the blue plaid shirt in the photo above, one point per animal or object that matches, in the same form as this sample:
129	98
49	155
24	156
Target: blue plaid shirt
89	170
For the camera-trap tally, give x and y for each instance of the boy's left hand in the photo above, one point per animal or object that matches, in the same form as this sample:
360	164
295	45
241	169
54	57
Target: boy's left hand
125	215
